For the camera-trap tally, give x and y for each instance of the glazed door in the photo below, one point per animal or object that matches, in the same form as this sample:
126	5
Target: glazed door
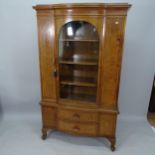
78	62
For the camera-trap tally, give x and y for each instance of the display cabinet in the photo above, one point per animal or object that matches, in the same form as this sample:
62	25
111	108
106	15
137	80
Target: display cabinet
80	50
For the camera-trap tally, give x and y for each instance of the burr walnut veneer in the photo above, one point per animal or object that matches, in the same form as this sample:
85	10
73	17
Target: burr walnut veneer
80	51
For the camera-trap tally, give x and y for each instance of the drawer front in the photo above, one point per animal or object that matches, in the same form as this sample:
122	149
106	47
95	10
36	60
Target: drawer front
77	116
78	128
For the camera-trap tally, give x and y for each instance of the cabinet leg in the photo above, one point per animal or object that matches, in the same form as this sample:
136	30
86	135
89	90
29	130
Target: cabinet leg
112	141
44	133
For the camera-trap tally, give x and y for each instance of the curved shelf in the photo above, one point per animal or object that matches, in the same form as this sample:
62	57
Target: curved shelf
79	63
78	40
75	83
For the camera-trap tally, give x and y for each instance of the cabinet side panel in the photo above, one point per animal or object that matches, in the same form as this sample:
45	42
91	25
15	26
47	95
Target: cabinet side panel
111	60
46	55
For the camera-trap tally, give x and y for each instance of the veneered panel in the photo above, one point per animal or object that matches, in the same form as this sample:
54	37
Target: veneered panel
49	116
111	60
107	124
46	54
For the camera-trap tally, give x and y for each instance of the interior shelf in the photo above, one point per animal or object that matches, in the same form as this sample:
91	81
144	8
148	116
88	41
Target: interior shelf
76	83
83	97
79	63
79	40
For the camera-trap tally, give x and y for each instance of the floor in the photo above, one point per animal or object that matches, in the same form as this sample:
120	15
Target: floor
151	118
21	136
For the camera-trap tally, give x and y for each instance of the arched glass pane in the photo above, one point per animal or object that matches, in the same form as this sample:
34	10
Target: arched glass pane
78	61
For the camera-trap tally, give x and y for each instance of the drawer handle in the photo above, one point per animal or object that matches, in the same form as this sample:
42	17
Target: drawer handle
76	117
76	128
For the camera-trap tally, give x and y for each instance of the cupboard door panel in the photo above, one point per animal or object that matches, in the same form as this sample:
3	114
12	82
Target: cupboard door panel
46	54
111	60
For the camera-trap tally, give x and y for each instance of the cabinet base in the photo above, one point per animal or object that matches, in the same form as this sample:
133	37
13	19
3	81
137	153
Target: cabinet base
111	140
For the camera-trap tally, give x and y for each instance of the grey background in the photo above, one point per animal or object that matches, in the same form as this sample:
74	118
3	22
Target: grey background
19	66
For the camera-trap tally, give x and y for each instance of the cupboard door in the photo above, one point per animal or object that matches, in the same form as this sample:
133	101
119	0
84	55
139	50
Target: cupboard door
78	61
46	55
78	41
111	60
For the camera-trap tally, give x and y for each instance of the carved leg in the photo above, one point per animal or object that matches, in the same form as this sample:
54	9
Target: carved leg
44	133
112	141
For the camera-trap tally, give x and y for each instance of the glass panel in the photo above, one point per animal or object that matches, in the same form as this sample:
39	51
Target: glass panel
78	61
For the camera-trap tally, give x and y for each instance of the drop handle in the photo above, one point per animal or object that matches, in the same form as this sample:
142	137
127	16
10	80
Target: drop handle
76	128
76	117
55	73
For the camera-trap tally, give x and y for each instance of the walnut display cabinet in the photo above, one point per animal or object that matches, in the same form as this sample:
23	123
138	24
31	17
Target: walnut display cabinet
80	51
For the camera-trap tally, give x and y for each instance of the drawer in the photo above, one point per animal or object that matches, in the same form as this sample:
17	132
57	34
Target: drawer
77	116
78	128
